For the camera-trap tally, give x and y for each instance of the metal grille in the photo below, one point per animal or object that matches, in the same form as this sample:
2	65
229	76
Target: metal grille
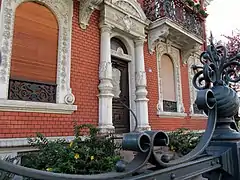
178	12
169	106
31	91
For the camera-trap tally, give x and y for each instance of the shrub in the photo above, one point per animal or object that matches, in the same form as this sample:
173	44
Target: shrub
183	141
91	155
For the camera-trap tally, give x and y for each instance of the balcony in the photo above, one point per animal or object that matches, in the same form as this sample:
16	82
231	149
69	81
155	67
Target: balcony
176	21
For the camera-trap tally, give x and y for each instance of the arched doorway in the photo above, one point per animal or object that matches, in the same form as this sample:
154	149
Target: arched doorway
120	83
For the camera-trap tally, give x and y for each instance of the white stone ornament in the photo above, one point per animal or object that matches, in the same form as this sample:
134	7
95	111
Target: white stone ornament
69	99
116	77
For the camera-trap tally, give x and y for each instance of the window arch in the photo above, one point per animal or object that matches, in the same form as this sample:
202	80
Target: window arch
118	45
33	70
170	101
168	84
63	11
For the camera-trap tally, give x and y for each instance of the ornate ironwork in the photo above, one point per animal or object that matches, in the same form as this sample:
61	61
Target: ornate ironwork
196	110
169	106
31	91
214	156
177	11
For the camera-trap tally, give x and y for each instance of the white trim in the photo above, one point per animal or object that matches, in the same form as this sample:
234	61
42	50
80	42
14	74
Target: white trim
63	11
125	20
16	142
171	114
174	53
28	106
130	57
198	116
193	60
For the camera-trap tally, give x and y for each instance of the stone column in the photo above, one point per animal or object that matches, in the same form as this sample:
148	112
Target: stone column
105	86
141	84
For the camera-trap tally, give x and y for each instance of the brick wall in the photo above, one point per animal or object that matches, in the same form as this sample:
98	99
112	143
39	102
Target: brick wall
84	82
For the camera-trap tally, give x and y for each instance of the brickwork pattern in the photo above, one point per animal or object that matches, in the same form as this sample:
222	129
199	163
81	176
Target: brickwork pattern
84	82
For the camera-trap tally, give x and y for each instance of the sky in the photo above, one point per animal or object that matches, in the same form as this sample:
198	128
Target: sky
224	16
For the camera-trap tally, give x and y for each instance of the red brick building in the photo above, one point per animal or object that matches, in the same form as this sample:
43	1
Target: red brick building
66	61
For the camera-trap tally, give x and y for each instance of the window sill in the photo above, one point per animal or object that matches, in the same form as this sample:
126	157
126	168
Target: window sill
199	116
21	142
28	106
171	114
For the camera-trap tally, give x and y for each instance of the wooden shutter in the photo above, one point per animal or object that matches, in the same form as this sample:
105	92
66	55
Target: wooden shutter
35	44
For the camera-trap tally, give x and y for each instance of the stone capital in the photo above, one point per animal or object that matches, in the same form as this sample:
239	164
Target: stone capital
139	42
106	28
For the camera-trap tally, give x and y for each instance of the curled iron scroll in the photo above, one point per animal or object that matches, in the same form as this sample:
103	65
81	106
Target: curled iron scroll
206	101
143	145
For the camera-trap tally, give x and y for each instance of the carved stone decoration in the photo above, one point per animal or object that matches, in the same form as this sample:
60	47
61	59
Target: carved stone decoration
104	70
193	60
188	52
116	77
132	7
127	22
86	8
63	11
70	98
163	48
169	46
141	78
157	36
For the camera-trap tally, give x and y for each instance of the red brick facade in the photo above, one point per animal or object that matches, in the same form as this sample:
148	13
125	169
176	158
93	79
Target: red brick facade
84	83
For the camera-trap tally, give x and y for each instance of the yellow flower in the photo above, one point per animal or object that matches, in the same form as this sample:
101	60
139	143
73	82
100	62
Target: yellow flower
49	169
92	158
71	143
76	156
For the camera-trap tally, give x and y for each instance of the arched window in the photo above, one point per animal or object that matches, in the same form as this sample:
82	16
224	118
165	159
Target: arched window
168	84
34	54
117	45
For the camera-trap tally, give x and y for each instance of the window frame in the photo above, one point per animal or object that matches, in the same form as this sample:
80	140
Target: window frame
174	54
64	99
193	60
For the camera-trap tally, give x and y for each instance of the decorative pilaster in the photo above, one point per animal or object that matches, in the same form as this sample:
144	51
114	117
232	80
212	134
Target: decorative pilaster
105	86
141	84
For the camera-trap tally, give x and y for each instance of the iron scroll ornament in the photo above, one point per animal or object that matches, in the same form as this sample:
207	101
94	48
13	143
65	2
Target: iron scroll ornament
214	76
143	143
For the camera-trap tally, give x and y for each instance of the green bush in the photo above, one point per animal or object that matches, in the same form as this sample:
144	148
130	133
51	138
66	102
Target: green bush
183	141
91	155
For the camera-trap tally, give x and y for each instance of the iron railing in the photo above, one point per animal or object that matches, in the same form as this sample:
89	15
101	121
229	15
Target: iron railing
178	12
31	91
169	106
